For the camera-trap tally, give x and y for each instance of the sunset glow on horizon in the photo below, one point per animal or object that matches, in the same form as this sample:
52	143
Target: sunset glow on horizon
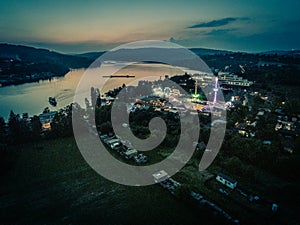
101	25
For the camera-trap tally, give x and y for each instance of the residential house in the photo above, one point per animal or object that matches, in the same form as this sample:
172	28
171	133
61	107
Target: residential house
226	180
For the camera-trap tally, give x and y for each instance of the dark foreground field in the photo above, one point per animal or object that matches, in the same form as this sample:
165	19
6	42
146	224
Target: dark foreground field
50	183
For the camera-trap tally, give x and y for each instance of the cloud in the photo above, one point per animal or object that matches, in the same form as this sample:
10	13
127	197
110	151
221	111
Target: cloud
215	23
220	31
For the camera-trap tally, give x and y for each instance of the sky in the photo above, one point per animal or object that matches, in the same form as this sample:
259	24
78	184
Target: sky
83	26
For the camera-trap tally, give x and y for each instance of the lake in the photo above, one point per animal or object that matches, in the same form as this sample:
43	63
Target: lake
32	98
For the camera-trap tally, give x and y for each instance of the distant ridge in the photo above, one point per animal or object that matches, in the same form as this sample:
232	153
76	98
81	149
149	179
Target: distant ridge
90	55
283	52
197	51
207	51
38	55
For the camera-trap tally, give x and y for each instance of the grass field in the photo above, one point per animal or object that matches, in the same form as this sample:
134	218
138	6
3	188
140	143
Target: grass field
50	183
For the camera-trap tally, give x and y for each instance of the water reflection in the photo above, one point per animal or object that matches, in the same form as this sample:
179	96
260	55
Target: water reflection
33	97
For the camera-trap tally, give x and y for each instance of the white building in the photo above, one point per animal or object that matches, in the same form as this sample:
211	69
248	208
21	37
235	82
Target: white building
160	176
233	80
226	180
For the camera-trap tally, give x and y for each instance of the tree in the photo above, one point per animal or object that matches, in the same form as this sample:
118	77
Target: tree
95	94
102	114
106	127
61	125
2	130
46	110
78	114
14	127
87	103
297	145
98	101
36	128
93	97
19	131
234	165
183	192
293	106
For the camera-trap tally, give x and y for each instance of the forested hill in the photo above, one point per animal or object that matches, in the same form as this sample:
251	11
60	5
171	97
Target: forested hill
22	64
37	55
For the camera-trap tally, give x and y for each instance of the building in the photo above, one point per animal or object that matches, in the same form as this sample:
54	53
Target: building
148	100
226	180
267	142
285	125
160	176
46	120
229	79
246	130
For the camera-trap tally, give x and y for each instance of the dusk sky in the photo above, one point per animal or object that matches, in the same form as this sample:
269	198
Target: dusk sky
74	27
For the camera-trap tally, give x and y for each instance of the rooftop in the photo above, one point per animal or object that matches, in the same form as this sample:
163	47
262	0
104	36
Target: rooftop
226	177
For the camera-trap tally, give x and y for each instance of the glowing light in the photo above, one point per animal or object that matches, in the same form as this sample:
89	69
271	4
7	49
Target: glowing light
197	96
216	91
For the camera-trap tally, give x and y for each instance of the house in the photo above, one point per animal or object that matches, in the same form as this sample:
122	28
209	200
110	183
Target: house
261	113
160	176
226	180
274	207
148	100
285	125
246	130
288	144
176	92
229	79
173	110
288	149
46	120
279	111
267	142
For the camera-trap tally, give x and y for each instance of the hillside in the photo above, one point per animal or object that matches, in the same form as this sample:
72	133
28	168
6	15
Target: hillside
22	64
50	183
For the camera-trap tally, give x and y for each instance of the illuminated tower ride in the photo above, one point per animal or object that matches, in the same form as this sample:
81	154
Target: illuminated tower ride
216	90
196	87
196	96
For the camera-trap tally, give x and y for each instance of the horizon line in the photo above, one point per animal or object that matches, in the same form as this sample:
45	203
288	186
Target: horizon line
36	46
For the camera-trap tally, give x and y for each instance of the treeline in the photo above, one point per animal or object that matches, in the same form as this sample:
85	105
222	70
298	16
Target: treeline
139	123
274	74
20	130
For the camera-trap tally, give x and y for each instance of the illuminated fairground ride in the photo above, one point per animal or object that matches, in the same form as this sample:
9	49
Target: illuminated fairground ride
207	81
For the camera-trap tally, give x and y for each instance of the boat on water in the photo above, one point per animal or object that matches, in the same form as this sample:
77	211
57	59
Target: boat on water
52	101
120	76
